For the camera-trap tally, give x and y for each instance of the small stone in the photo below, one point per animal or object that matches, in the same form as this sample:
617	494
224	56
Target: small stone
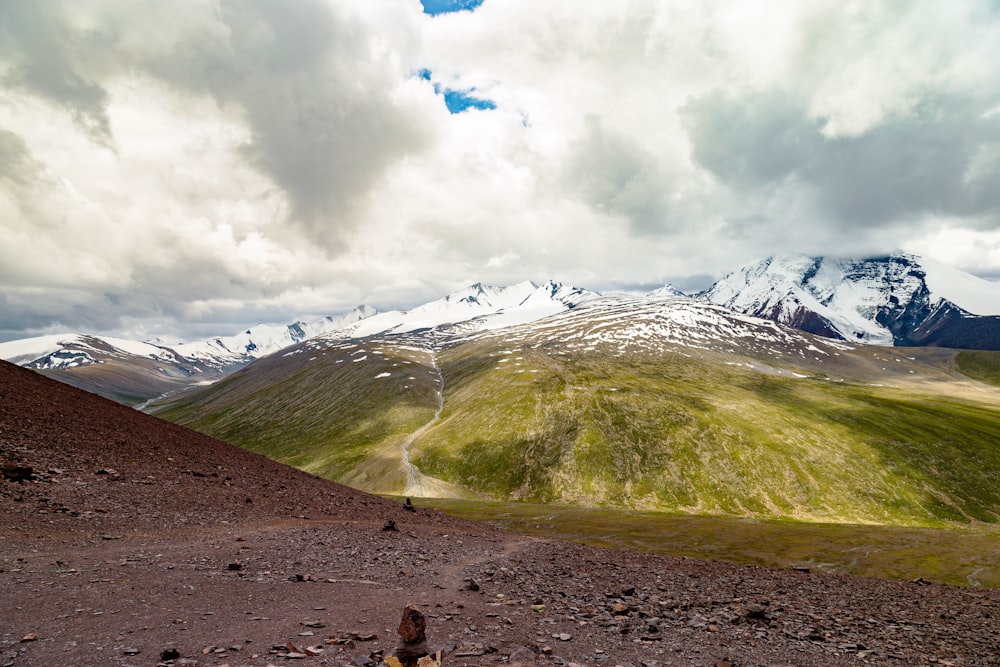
170	653
130	651
619	609
473	585
564	637
412	632
15	473
713	628
234	567
30	637
390	525
413	626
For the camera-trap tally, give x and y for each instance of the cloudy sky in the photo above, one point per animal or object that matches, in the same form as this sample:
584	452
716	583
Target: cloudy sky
184	169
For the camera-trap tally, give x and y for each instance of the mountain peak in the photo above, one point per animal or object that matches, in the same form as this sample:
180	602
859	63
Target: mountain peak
887	300
667	290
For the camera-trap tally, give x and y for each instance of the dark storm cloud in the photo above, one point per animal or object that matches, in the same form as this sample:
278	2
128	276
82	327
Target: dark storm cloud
23	314
754	140
942	159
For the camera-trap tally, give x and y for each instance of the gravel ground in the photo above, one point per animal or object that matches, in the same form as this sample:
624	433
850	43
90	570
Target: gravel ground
136	542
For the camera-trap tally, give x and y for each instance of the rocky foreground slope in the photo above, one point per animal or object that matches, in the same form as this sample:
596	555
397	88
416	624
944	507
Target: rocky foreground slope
128	541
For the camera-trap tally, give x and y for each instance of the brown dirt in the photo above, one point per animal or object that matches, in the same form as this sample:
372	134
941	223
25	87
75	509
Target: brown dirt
134	537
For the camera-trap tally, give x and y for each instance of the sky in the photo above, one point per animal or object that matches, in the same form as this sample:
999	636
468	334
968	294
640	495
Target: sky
187	169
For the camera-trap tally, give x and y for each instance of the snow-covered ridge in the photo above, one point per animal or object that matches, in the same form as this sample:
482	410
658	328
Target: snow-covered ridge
61	351
876	301
74	349
475	308
880	301
263	339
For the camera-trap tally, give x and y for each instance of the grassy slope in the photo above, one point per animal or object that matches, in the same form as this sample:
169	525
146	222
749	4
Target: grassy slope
980	365
959	556
696	435
128	382
323	412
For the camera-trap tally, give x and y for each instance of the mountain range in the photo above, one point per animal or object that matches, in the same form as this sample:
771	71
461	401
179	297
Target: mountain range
654	401
663	403
900	299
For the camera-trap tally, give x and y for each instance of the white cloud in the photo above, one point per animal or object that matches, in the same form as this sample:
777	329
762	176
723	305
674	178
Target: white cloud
178	167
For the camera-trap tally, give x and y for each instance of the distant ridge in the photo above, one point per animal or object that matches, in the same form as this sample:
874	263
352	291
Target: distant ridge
901	299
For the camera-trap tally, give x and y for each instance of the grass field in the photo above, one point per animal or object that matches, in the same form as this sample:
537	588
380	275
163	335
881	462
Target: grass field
980	364
967	556
698	435
689	432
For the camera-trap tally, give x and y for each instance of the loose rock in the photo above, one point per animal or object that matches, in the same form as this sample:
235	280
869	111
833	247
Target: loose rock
412	632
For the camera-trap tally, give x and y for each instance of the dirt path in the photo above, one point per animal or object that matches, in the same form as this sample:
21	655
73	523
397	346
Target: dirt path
418	484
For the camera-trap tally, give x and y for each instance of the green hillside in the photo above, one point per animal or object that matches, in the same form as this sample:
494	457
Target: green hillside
980	364
325	412
700	433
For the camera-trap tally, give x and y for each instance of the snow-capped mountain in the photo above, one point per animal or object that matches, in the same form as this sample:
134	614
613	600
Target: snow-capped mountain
901	299
72	350
264	339
476	308
143	370
666	290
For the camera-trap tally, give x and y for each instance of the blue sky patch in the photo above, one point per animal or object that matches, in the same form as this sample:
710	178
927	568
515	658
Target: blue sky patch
457	101
435	7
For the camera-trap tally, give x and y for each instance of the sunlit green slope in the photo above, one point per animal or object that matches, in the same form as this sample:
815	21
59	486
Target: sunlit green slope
699	435
342	412
680	409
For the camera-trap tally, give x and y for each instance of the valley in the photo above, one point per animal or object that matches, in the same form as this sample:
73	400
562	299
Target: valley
126	540
700	430
662	404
